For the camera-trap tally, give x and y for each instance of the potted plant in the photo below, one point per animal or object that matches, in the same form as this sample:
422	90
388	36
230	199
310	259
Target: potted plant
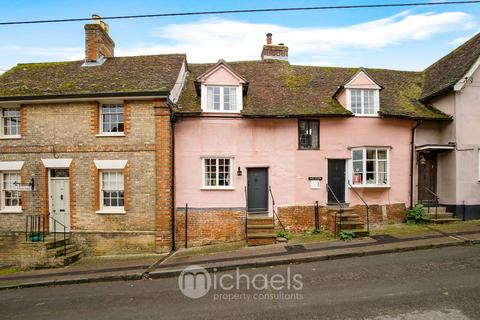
35	236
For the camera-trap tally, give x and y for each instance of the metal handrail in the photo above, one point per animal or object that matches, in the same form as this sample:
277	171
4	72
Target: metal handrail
274	211
341	211
436	201
366	205
246	214
55	222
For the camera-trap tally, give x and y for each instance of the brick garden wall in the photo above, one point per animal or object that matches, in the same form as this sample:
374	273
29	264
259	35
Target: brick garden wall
209	226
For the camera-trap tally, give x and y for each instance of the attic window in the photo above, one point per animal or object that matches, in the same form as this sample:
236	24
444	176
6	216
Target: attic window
363	102
222	99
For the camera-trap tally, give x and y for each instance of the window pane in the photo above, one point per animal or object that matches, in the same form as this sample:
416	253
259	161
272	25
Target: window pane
368	104
112	118
382	154
209	98
308	134
314	133
371	178
357	155
11	195
356	101
11	121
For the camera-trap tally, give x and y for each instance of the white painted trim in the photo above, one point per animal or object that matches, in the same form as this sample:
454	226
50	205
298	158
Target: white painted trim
11	165
110	164
110	134
461	83
177	88
364	169
205	187
348	84
434	147
56	163
12	136
100	120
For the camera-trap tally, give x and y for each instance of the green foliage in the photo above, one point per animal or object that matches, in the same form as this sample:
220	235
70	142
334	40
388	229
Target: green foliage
315	231
417	215
345	235
284	234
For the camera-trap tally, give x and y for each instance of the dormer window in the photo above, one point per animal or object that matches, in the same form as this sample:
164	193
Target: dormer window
221	98
362	102
221	89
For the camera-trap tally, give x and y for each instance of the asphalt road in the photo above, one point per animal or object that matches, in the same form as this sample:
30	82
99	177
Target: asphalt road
429	284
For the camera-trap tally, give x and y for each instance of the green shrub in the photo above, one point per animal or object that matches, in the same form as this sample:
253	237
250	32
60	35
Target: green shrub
345	235
417	215
284	234
315	231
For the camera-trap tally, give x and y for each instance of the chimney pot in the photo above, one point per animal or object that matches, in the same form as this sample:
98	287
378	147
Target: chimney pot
269	38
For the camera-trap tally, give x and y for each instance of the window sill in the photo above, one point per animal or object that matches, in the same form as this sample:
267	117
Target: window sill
370	186
111	211
217	188
307	149
110	135
11	210
10	137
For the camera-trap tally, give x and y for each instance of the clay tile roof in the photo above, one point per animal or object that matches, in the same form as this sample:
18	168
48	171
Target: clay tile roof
137	74
277	88
443	74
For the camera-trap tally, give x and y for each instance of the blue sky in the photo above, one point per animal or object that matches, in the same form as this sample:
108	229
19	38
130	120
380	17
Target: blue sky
397	38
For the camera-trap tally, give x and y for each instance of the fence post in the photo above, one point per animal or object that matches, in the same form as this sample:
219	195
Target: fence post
186	225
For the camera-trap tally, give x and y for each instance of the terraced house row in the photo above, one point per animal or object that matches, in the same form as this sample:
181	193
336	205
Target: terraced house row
146	153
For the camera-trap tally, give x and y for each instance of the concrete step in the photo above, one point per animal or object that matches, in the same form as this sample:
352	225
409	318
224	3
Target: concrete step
69	258
445	220
259	221
261	228
358	232
349	225
60	251
50	243
440	215
439	209
344	209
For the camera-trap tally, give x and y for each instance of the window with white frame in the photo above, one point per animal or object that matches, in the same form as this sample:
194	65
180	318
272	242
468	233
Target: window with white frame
217	173
364	101
112	118
222	99
10	122
112	191
370	167
11	197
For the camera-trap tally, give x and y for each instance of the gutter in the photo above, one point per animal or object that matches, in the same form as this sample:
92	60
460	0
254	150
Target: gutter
173	121
412	153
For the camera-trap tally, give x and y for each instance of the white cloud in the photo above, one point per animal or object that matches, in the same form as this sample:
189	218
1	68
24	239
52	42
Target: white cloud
211	39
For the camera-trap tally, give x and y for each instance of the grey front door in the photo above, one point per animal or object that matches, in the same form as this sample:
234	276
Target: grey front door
257	186
336	180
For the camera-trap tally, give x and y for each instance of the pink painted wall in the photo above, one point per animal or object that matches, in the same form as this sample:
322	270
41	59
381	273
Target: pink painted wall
362	81
274	144
221	76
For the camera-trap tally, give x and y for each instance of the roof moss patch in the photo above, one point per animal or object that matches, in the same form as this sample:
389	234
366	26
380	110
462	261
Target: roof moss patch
115	75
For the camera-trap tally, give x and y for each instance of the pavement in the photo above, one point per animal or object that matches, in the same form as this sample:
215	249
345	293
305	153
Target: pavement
436	284
165	266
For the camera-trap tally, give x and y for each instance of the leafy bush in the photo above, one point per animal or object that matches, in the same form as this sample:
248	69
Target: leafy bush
315	231
417	215
284	234
345	235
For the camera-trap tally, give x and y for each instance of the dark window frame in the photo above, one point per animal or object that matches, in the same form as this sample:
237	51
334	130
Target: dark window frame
311	147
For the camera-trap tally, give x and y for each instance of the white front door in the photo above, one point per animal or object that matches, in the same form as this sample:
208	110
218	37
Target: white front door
60	203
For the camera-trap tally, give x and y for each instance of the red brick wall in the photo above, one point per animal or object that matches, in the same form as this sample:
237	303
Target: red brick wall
23	121
209	226
382	213
95	196
94	118
73	198
300	218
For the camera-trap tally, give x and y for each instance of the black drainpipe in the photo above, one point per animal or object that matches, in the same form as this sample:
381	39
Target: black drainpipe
412	154
173	121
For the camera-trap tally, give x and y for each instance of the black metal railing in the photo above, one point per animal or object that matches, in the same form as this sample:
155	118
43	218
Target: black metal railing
38	226
246	214
274	215
336	212
316	215
35	227
436	201
367	208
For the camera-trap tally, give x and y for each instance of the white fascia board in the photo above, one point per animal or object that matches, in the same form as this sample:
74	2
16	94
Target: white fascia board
177	88
461	83
11	165
110	164
56	163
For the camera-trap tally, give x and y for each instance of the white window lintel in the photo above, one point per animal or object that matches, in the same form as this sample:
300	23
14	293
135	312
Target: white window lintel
11	165
110	164
56	163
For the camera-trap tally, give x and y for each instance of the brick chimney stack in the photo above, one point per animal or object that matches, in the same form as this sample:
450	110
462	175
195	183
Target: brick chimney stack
98	44
274	52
